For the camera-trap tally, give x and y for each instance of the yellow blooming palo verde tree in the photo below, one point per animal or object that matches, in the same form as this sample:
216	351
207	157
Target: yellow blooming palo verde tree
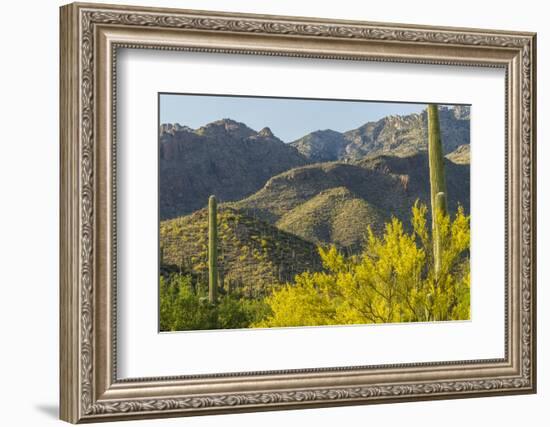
392	280
421	275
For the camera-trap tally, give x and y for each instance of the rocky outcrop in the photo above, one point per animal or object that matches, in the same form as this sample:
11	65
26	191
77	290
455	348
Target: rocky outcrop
461	155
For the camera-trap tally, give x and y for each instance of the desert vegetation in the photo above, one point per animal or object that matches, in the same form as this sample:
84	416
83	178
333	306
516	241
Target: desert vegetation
372	239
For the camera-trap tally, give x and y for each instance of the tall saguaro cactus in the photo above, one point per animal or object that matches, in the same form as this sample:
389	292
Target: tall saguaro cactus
438	186
212	249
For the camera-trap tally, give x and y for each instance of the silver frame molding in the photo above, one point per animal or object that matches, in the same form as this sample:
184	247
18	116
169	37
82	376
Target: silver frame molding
90	37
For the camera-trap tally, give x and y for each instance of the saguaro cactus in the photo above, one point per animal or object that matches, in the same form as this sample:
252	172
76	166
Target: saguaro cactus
438	186
212	249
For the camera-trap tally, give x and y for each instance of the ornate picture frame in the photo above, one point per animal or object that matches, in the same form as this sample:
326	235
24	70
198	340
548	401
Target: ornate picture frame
90	37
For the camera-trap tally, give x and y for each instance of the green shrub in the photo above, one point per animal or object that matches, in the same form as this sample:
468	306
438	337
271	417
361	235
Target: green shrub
184	306
181	308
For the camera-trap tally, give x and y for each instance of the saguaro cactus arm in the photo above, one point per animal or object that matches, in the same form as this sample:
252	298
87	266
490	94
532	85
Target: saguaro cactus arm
438	188
212	249
435	155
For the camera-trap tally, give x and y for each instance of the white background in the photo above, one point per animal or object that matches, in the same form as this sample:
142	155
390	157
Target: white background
29	171
141	347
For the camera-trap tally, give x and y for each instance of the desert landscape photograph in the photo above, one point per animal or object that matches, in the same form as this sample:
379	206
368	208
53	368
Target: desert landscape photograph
283	212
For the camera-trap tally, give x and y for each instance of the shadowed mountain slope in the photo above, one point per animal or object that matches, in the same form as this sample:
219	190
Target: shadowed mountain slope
335	202
224	158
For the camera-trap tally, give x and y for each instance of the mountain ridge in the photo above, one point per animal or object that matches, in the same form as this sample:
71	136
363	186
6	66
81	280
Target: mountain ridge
224	158
395	134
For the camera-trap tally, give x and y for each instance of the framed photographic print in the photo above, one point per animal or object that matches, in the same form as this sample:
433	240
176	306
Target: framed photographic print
266	212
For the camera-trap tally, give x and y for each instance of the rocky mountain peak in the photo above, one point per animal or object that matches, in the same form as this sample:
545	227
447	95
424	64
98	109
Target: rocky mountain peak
266	133
225	127
225	158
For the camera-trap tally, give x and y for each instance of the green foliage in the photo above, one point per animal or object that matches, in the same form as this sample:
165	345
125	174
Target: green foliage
185	306
392	280
181	308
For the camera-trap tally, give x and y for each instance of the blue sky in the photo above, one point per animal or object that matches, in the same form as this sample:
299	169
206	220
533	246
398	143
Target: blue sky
288	119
